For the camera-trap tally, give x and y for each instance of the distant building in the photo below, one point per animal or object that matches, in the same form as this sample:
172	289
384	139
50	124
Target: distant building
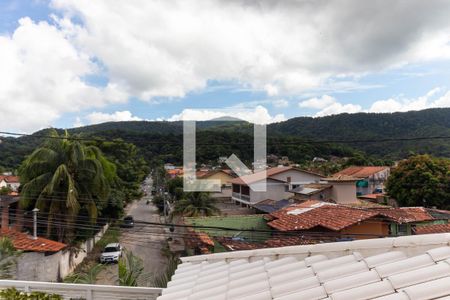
13	182
223	175
370	179
280	180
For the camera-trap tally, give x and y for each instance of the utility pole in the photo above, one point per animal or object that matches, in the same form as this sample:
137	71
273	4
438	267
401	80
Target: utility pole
35	211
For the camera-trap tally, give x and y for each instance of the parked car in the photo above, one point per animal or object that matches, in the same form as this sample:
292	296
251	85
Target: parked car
127	222
111	253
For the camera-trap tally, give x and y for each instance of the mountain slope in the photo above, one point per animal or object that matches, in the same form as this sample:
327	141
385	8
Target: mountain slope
163	140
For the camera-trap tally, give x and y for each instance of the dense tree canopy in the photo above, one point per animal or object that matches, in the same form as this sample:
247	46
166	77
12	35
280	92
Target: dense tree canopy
421	180
65	179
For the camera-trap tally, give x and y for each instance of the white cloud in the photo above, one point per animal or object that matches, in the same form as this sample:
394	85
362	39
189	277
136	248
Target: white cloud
258	115
434	98
169	48
339	108
317	103
280	103
157	49
328	105
99	117
41	78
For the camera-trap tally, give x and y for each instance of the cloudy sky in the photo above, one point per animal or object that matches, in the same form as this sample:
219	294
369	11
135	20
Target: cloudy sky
67	63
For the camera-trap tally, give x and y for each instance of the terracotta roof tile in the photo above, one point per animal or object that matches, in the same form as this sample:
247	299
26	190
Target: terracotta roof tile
236	245
405	214
24	242
10	179
333	217
436	228
360	171
198	239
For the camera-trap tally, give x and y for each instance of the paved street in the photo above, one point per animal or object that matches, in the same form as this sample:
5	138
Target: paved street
145	241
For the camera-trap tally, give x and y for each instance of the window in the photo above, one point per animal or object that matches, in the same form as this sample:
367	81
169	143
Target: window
402	229
245	190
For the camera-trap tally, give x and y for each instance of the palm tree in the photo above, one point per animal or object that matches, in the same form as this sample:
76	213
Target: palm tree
131	270
8	256
88	277
64	177
194	204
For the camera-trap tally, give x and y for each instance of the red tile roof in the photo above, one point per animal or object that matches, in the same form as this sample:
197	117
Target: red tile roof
371	196
24	242
360	171
333	217
206	174
436	228
236	245
10	179
341	178
405	214
198	239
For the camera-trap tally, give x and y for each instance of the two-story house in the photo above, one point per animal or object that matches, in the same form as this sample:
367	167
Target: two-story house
279	182
371	179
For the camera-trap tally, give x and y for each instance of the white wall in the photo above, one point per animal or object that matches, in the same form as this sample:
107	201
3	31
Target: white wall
297	176
275	191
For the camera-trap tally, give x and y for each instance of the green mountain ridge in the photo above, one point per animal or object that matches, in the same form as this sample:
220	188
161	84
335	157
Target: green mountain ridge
163	140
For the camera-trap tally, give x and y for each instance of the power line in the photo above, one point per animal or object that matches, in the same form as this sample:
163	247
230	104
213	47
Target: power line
298	142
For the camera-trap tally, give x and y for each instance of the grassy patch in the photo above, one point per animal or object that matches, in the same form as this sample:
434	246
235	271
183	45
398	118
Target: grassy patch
248	222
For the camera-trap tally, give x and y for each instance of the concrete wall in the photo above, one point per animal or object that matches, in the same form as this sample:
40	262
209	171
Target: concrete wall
35	266
275	191
344	192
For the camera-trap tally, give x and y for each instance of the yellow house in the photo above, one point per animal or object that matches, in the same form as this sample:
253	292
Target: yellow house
225	176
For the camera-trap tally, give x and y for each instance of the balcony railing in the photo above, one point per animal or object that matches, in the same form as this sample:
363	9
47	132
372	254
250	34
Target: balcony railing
241	197
84	291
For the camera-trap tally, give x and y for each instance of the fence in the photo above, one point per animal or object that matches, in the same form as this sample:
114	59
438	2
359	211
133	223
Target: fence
85	291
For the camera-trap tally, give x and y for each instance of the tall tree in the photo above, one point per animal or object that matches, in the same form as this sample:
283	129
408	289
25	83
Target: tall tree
64	178
421	180
194	204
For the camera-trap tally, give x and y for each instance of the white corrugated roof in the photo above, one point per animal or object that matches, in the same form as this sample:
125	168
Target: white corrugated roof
416	268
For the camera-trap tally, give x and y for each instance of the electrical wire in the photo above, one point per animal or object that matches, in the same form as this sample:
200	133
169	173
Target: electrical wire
298	142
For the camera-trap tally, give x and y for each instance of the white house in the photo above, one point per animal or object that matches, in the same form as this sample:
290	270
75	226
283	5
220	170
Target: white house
12	182
280	180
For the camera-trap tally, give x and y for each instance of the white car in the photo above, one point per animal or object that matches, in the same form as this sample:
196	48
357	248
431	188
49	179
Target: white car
111	253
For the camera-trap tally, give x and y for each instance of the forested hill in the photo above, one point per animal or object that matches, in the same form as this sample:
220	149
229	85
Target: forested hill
163	140
375	127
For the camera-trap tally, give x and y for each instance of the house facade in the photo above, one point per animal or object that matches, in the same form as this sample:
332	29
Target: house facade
279	182
371	179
